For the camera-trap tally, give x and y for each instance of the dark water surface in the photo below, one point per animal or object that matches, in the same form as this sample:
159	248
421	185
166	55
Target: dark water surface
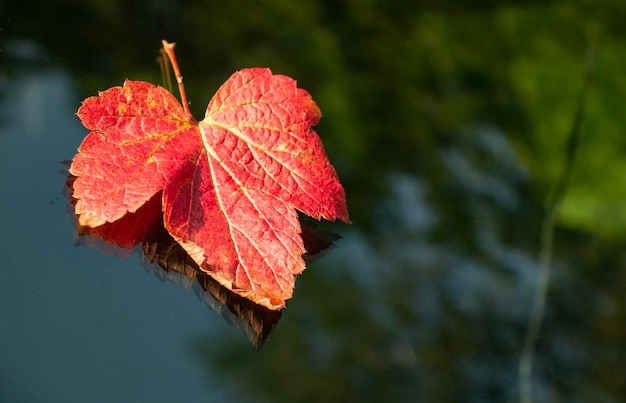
447	123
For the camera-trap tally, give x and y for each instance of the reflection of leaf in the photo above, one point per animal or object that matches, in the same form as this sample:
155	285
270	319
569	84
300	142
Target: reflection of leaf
163	256
254	320
124	233
315	240
230	183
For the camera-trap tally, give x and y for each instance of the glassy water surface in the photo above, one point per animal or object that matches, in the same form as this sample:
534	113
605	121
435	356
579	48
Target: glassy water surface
448	124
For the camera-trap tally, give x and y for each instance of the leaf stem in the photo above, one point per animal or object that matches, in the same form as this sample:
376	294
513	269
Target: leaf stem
169	49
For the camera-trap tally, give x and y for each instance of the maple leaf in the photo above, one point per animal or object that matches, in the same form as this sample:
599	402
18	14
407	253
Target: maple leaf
230	183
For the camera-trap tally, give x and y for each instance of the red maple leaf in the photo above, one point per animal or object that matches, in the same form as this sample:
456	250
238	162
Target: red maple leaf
230	183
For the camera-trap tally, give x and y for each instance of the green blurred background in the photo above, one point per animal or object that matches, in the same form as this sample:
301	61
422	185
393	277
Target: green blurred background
447	122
